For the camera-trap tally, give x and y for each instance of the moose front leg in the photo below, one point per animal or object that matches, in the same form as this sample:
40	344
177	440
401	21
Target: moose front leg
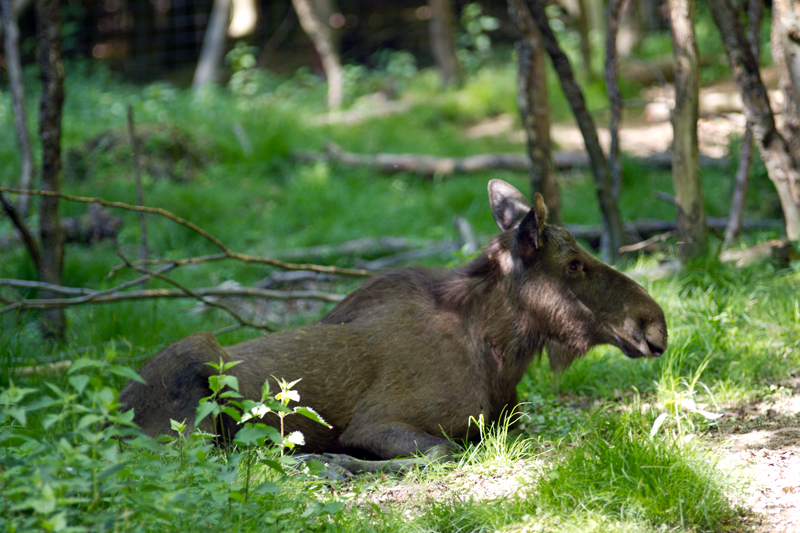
394	439
394	443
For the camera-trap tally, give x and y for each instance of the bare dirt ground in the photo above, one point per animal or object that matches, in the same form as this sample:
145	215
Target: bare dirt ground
760	442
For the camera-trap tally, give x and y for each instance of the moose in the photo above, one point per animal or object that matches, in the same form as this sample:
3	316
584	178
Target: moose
401	365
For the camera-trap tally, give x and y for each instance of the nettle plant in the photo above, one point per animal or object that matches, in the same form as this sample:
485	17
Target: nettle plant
69	460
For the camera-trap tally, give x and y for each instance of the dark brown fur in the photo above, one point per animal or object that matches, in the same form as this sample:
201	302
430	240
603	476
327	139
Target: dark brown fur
406	360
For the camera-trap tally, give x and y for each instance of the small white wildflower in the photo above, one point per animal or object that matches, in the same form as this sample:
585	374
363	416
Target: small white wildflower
291	395
296	438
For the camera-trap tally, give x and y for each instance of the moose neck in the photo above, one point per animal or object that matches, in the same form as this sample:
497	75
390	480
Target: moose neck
484	294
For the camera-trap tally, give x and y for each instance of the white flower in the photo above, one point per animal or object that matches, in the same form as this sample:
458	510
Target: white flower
291	395
296	438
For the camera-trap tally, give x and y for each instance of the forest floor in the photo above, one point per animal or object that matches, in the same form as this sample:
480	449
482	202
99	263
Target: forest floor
760	440
758	443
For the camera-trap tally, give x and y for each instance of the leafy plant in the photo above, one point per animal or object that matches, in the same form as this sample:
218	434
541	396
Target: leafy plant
71	461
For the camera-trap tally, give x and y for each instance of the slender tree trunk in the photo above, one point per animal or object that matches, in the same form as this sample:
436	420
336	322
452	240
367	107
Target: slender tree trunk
785	41
584	27
691	215
781	166
615	10
534	108
48	18
755	10
612	223
442	26
321	34
18	99
213	50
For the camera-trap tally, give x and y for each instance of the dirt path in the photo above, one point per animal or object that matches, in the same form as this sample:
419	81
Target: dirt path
763	445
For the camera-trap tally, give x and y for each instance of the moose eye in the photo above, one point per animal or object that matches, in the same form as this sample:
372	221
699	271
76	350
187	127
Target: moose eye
575	267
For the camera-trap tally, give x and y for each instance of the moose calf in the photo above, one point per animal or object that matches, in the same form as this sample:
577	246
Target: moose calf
406	360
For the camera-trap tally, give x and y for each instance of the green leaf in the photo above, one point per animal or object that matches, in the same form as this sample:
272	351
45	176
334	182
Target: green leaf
251	434
230	381
204	409
275	465
231	412
41	403
87	420
268	487
213	384
57	522
230	365
333	507
265	391
79	382
18	413
126	372
111	470
312	414
274	435
83	363
51	419
177	427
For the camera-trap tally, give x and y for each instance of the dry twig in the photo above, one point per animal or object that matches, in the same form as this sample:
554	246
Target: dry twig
226	252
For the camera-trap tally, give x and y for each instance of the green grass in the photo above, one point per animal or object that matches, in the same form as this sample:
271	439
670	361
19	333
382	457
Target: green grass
734	333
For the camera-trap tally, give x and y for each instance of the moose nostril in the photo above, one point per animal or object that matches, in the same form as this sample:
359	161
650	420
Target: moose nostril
655	349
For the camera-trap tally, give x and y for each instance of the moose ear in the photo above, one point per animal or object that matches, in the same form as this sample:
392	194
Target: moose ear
509	206
530	229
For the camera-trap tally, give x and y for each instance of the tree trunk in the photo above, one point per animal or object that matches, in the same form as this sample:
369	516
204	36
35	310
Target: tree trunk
615	10
785	41
213	45
321	34
585	45
755	10
691	215
442	28
534	108
608	206
18	99
48	18
781	166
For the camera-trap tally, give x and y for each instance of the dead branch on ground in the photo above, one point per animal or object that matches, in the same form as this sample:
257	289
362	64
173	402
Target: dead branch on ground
429	165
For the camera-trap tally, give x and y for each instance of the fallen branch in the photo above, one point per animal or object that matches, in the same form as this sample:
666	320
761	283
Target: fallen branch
648	242
226	252
646	228
89	296
429	166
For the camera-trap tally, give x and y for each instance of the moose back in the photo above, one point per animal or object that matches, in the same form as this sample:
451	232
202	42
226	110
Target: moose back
406	360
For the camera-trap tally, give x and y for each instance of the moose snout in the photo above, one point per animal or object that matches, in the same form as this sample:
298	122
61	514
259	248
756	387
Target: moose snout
643	337
655	337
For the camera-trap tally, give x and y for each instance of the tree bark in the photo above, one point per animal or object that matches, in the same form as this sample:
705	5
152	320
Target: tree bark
691	216
615	10
755	10
781	166
584	27
321	35
213	50
534	108
18	99
608	206
442	27
785	41
48	18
